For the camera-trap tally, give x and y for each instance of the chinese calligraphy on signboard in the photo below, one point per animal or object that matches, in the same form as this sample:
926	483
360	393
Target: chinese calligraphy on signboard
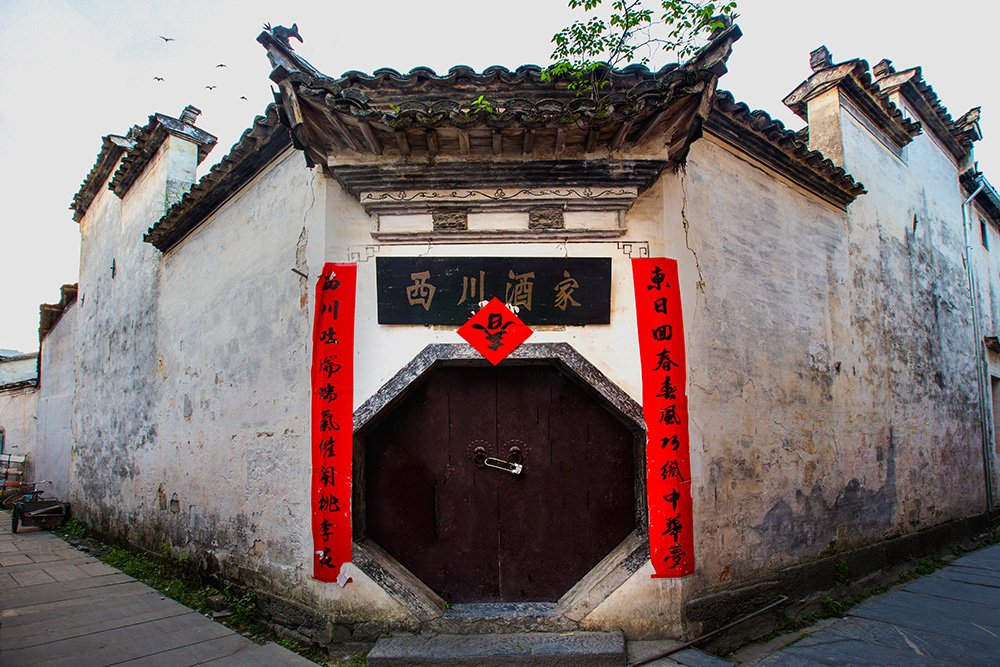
446	290
495	331
332	419
664	405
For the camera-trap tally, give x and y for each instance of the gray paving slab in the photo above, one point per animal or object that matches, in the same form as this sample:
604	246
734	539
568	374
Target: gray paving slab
32	565
32	577
919	642
60	607
267	655
951	617
927	612
644	649
193	654
17	558
17	597
856	653
980	560
956	590
88	622
976	577
968	569
72	610
133	642
692	657
785	658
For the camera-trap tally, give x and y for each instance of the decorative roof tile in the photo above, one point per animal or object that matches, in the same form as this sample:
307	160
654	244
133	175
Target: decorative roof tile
422	114
988	200
853	79
957	135
498	112
51	313
767	140
259	144
112	148
148	139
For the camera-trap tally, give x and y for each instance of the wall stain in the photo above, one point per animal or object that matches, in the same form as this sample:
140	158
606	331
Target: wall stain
856	512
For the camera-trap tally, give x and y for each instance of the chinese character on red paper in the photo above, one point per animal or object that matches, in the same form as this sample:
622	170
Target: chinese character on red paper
495	331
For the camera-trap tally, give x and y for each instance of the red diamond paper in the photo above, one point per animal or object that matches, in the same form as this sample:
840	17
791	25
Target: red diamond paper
495	331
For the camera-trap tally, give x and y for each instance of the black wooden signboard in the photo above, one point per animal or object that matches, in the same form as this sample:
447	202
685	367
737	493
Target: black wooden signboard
448	290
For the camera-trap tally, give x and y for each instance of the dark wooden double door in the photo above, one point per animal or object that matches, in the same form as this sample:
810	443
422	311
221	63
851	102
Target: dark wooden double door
475	533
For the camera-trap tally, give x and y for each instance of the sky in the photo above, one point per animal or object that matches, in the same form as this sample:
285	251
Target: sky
72	71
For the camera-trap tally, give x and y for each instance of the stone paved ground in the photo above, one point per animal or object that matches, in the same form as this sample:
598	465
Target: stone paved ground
950	617
59	606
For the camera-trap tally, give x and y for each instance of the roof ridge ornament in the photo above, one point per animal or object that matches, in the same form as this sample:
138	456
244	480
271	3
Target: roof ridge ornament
281	34
190	114
820	58
883	68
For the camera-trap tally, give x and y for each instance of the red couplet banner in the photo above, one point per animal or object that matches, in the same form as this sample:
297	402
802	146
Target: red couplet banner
660	325
333	419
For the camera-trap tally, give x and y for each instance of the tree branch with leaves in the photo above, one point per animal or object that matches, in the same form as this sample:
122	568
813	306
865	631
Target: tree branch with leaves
632	33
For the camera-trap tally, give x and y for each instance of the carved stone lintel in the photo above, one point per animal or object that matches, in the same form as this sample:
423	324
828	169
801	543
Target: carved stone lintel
450	218
549	217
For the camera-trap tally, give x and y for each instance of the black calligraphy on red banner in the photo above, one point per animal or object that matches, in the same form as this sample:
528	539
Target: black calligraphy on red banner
664	404
332	419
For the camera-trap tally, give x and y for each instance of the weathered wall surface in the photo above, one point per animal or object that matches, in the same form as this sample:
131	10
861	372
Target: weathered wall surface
230	481
55	405
761	264
831	373
17	418
916	342
114	418
18	369
986	273
831	391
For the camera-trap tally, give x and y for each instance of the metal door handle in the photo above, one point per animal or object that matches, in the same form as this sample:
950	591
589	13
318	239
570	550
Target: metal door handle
506	466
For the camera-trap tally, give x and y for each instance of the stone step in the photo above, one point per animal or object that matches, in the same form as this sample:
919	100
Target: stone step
501	617
521	649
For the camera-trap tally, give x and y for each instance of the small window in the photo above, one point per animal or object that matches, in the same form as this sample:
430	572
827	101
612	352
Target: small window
982	230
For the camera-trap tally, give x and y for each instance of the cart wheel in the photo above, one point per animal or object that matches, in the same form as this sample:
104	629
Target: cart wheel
15	516
11	499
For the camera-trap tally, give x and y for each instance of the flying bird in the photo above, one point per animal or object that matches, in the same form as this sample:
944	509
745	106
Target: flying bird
158	78
243	97
167	39
220	65
211	87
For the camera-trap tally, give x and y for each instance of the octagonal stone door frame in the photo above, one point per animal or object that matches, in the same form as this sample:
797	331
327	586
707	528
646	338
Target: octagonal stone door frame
596	585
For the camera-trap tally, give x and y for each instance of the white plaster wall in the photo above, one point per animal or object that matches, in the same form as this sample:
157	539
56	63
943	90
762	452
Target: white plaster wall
986	267
117	390
913	319
55	405
17	418
759	263
230	481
